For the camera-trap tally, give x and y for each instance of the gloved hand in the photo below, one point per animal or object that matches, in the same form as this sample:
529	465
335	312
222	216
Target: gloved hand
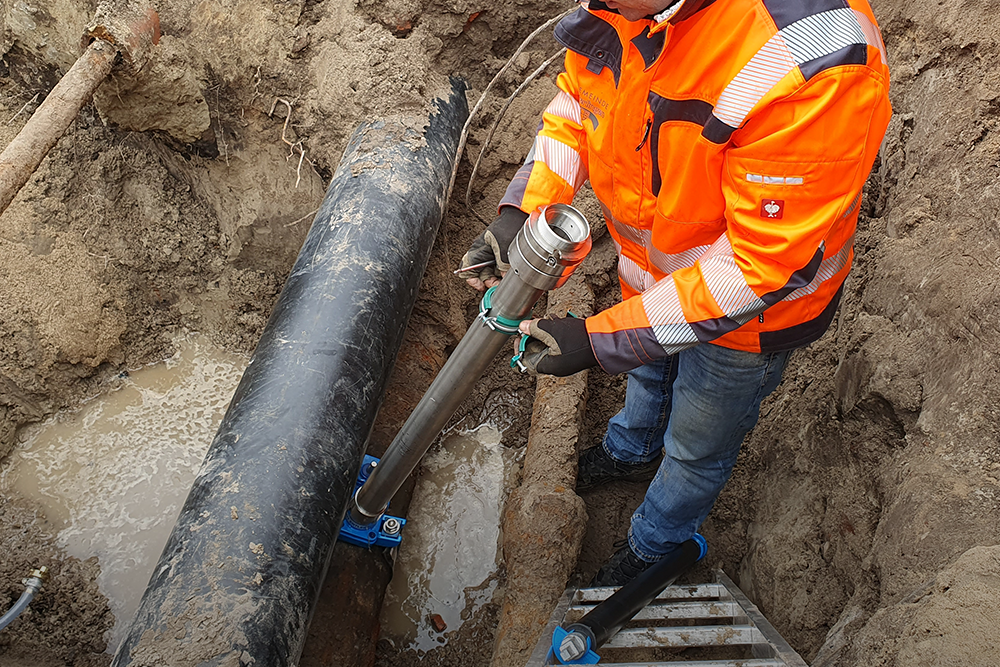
492	244
561	346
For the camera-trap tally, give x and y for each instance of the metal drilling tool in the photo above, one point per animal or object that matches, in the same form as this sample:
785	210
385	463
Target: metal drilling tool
543	255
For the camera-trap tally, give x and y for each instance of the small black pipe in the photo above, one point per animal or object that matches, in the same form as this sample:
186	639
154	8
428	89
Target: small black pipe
239	577
603	621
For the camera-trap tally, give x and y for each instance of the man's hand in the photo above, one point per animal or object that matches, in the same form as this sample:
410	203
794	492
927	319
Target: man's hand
561	346
492	244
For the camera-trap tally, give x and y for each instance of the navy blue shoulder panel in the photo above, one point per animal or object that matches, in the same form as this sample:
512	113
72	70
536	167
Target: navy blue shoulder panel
649	47
787	12
594	39
853	54
801	334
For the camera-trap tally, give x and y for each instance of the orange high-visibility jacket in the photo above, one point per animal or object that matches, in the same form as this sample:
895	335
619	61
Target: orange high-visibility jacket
728	143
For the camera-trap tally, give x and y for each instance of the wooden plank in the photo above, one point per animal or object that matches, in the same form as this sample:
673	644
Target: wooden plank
748	662
669	593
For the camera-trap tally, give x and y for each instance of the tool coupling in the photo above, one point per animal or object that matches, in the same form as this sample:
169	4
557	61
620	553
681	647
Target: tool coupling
553	241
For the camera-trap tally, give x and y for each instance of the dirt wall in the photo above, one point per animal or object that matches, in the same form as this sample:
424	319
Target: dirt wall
180	197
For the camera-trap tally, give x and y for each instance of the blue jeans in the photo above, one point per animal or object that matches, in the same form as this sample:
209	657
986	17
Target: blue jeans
697	406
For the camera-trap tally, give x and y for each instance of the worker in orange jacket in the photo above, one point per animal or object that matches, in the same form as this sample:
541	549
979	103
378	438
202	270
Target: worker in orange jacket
728	142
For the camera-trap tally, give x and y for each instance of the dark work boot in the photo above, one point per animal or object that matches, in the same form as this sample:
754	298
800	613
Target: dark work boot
622	568
597	467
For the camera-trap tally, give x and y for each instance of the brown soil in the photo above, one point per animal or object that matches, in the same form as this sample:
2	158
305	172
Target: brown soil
863	516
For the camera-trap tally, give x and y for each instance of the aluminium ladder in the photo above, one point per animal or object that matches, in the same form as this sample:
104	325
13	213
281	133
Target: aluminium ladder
712	616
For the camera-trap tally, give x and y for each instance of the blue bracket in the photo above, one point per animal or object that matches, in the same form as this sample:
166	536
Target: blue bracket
386	531
588	658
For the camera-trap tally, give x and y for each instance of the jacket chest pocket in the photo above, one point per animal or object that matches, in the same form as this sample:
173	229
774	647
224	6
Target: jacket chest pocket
685	172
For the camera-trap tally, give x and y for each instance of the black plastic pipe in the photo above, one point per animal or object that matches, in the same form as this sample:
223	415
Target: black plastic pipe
604	620
239	577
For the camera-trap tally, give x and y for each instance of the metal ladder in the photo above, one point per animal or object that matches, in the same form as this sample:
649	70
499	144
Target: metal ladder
717	617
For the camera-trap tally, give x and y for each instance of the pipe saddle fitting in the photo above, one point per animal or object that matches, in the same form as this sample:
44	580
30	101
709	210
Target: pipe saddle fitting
552	243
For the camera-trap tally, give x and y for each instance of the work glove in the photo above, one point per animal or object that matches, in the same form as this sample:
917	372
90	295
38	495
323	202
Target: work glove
492	244
559	347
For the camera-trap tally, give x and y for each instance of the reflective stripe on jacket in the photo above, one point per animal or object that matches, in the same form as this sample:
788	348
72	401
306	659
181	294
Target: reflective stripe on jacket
728	143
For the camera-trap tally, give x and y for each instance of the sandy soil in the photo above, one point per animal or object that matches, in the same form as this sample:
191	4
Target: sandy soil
863	516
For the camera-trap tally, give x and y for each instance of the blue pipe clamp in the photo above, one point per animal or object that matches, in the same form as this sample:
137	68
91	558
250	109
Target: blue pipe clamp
555	657
384	532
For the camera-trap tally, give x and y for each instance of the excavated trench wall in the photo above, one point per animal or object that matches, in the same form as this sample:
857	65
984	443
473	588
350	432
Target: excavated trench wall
863	515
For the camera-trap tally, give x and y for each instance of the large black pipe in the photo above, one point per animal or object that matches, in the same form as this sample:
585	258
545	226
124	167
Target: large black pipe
239	577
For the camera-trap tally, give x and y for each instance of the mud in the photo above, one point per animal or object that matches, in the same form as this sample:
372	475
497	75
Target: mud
863	514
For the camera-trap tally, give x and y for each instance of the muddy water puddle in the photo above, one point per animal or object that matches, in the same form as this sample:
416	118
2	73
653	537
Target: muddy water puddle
447	562
113	475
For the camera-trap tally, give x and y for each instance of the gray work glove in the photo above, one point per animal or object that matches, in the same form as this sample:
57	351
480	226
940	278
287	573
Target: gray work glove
560	346
492	244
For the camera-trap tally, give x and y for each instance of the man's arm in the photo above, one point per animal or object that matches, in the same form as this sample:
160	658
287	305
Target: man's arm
556	165
553	171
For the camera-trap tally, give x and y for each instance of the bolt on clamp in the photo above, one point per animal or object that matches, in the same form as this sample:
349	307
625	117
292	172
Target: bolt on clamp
495	322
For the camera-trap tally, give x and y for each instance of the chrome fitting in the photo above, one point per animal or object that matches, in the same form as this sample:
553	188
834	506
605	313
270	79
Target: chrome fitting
553	241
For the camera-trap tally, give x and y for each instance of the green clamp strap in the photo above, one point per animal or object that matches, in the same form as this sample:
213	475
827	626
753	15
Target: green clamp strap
495	322
515	361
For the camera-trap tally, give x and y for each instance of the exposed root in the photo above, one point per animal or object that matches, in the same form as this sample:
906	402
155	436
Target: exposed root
482	98
496	124
307	215
108	259
292	147
21	110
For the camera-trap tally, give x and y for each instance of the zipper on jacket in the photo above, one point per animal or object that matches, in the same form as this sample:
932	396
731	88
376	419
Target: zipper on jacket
645	135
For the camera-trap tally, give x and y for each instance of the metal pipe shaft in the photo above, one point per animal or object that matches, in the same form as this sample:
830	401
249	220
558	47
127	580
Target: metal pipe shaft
543	255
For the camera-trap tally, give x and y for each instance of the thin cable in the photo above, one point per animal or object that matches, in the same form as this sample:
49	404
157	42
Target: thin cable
472	114
496	124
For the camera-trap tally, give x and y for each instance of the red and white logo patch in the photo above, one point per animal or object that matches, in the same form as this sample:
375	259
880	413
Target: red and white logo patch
772	209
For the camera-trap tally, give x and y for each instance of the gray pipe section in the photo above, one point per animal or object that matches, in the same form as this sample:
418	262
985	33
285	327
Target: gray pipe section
544	254
241	573
32	585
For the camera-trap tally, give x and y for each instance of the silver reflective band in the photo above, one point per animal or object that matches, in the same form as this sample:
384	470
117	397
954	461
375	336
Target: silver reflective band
775	180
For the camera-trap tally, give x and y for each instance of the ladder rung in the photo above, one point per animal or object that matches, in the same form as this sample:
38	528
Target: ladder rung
711	635
672	611
739	662
669	593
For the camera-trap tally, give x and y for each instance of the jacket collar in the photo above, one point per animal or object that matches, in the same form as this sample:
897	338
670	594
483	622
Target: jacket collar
672	15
